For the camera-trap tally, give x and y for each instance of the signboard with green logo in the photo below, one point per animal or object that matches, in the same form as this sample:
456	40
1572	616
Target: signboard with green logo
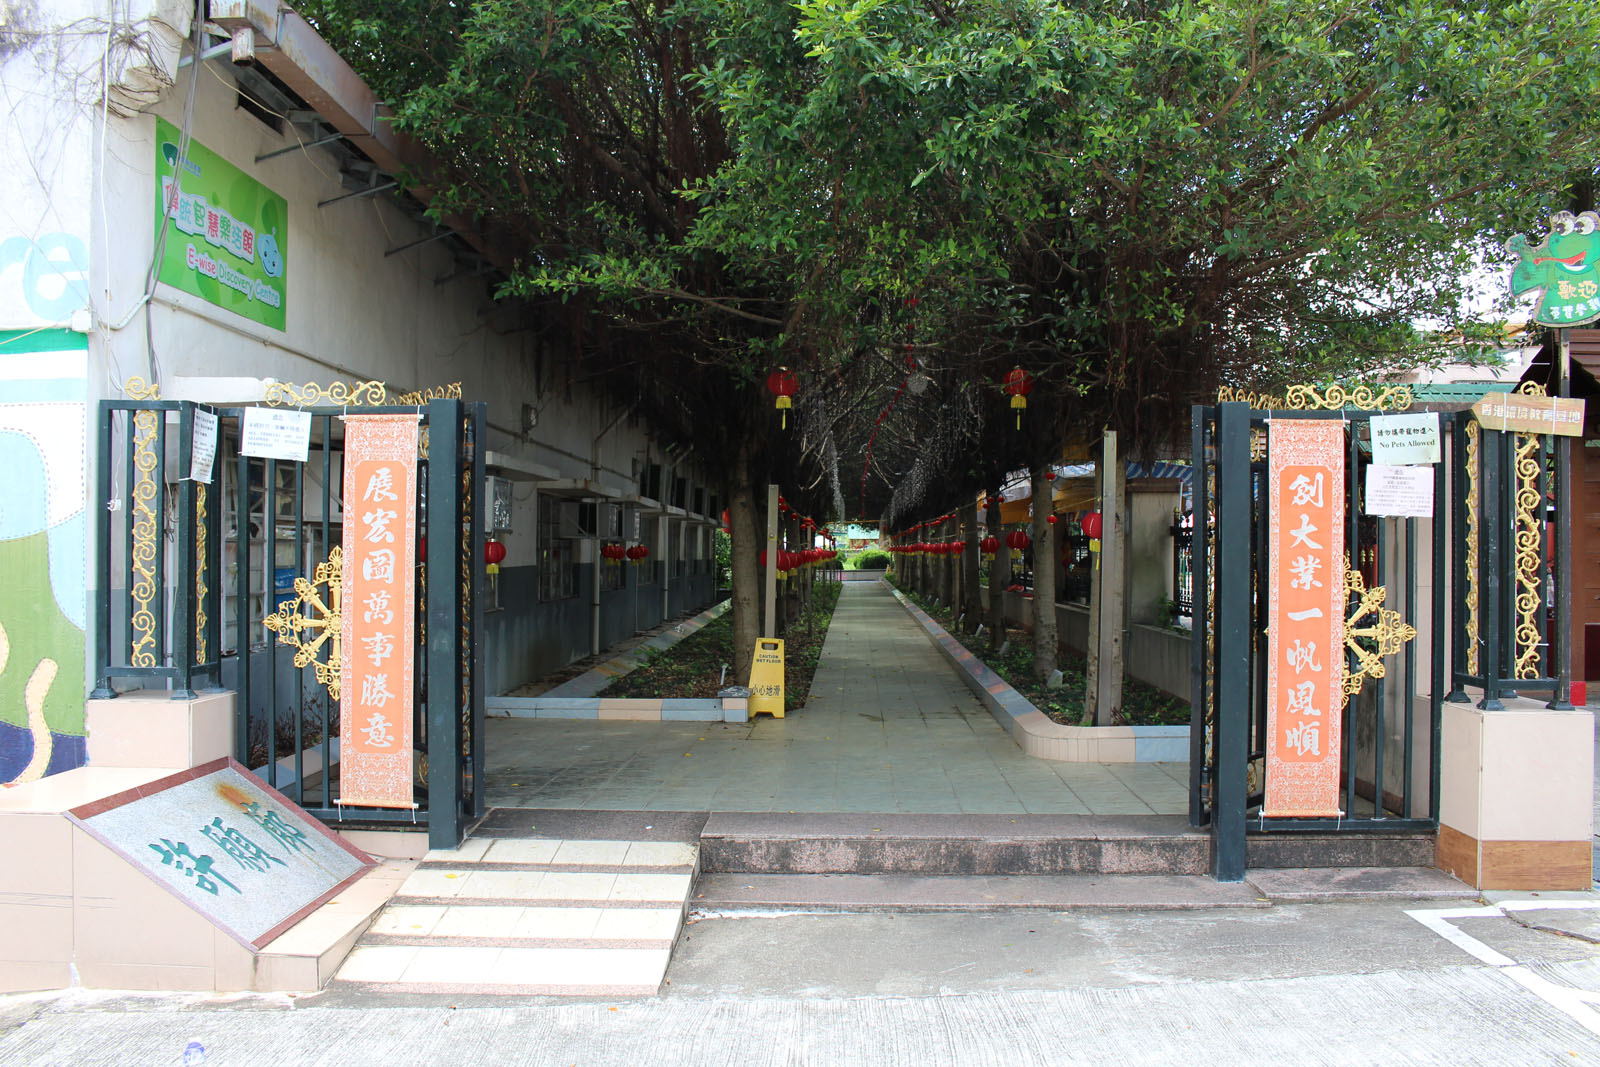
228	238
1564	269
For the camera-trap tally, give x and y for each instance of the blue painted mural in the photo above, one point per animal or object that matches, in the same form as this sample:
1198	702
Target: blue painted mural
43	431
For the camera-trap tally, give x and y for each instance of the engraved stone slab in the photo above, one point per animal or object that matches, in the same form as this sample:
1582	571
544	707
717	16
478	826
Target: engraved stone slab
228	845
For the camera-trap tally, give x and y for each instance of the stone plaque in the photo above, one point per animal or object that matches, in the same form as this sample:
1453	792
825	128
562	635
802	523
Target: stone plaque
228	845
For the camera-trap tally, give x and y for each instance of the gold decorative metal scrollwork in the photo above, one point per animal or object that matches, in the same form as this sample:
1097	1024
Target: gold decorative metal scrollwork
200	574
287	394
1531	389
1337	397
1473	441
1529	541
137	388
1258	445
1259	401
1388	633
1333	398
292	626
434	392
146	541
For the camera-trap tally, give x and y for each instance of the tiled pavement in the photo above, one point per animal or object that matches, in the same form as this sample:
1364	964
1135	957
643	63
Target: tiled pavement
530	916
888	728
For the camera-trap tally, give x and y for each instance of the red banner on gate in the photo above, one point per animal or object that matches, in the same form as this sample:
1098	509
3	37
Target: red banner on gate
1305	621
378	613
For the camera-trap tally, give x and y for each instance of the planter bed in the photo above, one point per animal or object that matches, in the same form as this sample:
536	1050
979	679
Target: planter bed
1033	731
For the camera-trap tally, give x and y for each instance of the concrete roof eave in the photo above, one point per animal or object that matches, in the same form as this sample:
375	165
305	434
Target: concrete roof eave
578	489
288	46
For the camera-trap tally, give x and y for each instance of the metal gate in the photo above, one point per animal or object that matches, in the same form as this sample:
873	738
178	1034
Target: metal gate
1458	607
193	576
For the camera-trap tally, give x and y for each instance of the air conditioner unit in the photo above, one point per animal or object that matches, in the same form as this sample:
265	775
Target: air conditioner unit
574	519
497	495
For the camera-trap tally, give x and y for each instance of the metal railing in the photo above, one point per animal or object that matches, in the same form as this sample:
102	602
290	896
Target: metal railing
189	571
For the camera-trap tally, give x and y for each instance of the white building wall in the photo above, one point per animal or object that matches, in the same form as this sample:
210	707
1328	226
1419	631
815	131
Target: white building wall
83	84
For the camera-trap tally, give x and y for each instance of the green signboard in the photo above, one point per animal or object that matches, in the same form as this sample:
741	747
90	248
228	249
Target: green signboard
228	238
1564	268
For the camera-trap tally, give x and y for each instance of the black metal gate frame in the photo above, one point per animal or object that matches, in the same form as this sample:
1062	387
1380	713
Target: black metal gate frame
183	646
1223	668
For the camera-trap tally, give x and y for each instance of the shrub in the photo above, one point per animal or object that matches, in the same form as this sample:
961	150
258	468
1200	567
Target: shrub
871	559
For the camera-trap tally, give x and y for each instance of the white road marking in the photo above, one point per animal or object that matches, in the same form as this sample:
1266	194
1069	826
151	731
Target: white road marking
1566	999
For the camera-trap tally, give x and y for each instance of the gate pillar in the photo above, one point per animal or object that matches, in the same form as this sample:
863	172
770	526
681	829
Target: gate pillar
1234	503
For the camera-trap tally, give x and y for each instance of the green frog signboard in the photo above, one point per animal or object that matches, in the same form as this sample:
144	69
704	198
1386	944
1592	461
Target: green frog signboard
1564	268
227	234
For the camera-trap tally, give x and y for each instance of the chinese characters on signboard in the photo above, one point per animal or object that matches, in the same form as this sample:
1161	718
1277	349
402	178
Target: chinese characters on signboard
379	610
227	845
1305	633
227	235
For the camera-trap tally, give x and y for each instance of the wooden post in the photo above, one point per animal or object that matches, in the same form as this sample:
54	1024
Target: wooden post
1108	592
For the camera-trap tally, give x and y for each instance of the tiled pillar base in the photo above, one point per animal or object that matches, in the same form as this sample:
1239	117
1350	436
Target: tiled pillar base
1516	796
147	728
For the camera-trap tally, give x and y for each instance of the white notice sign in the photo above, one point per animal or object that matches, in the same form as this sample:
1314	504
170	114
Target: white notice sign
203	446
1406	492
272	434
1398	440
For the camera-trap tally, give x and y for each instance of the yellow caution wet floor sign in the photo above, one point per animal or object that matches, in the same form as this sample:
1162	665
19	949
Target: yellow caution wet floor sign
766	679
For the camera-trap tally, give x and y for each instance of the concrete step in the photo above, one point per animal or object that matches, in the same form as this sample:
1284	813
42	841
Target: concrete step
1321	884
721	893
804	843
1340	850
530	916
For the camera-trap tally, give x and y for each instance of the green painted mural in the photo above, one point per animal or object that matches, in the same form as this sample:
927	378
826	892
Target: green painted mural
43	432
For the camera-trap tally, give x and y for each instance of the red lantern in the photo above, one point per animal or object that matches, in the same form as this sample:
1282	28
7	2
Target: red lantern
493	553
989	545
1051	520
782	384
1018	384
958	546
727	521
1091	525
637	553
1018	540
1049	476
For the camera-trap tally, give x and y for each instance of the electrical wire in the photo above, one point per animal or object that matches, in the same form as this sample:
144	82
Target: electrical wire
185	135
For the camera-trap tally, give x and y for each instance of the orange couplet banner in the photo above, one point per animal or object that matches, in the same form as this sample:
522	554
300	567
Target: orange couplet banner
1305	624
378	613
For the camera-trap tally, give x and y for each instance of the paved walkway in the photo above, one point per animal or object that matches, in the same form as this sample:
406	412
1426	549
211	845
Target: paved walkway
888	728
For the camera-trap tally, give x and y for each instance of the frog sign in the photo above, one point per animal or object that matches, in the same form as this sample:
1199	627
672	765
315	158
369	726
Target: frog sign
1564	267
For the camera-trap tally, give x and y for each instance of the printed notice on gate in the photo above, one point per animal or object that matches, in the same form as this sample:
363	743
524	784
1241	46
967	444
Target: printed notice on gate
272	434
1398	440
203	447
1399	492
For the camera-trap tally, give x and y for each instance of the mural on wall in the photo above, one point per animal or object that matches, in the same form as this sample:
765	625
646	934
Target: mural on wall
43	427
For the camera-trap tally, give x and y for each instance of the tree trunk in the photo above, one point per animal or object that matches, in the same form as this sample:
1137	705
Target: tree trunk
999	575
1044	576
946	571
747	577
971	597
